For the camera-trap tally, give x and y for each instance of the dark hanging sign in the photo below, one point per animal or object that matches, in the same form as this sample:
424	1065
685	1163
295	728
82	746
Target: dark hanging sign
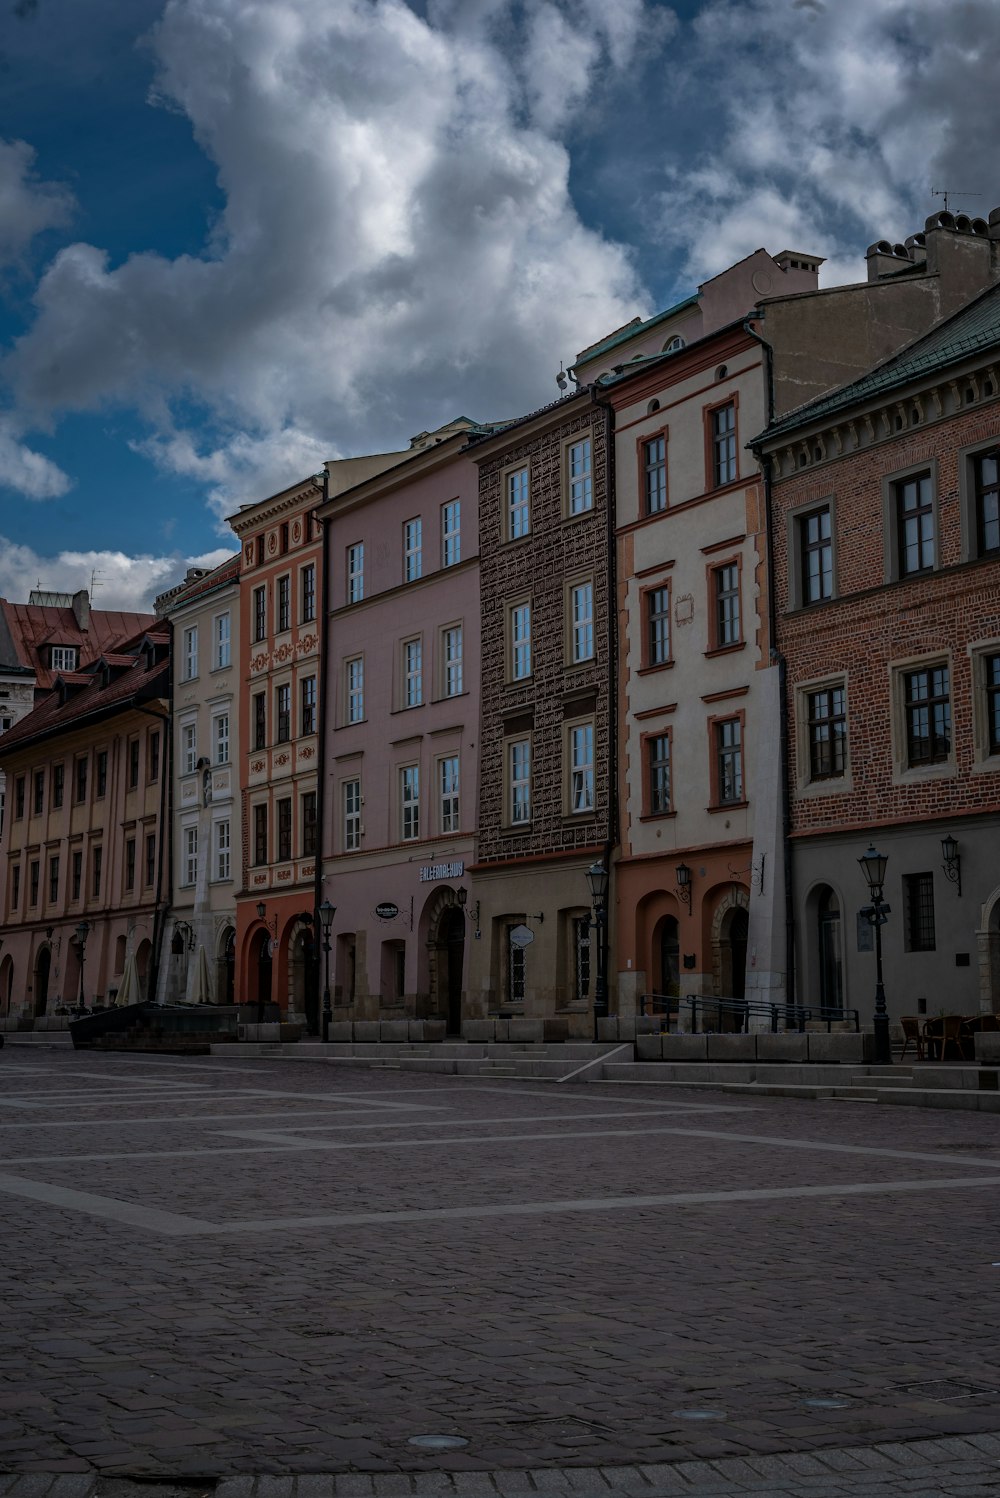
387	911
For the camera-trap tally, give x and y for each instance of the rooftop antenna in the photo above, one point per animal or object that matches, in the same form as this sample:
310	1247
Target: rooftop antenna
95	581
949	192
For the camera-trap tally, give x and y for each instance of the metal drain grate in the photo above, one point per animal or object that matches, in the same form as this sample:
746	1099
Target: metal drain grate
947	1390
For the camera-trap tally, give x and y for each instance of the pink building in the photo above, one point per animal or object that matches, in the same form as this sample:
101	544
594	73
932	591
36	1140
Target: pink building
401	733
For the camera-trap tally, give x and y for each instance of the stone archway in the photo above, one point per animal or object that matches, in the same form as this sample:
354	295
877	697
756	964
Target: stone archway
43	968
443	928
988	951
6	984
225	963
302	970
730	924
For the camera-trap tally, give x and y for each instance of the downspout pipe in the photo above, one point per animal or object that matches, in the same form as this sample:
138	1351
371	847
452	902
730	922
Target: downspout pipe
323	674
779	660
612	646
166	840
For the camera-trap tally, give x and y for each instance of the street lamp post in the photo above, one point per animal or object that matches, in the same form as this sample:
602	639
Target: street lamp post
597	878
873	866
326	915
82	932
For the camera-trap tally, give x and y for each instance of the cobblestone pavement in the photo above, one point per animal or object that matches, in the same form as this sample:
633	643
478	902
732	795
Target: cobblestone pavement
221	1266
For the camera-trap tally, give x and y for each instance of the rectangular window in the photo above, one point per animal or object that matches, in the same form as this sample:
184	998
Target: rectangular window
520	641
15	889
223	850
409	801
260	613
63	658
259	720
189	748
580	486
356	572
724	444
190	655
413	549
914	501
986	474
452	644
284	604
927	709
77	875
220	724
581	597
827	733
260	834
581	759
19	798
190	855
654	468
283	809
151	859
918	898
34	875
729	760
259	549
726	586
352	815
658	762
80	776
518	516
519	773
154	755
130	863
53	878
308	807
816	555
307	691
58	784
223	641
97	868
413	673
133	764
283	713
308	593
448	786
355	690
101	776
658	626
515	967
991	669
451	533
283	534
38	793
581	958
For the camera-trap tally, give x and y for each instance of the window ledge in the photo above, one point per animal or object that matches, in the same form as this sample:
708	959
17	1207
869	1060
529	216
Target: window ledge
659	666
728	806
725	649
918	774
657	816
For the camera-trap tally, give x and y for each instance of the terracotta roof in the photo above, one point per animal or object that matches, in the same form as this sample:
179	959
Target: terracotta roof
61	710
31	627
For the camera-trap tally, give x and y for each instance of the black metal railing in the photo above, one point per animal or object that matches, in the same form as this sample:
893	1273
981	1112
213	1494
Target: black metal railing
733	1016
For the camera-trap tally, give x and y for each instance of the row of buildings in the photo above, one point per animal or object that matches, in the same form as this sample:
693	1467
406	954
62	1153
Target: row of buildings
720	615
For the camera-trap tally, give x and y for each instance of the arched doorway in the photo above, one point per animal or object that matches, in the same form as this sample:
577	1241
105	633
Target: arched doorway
227	963
450	944
6	984
43	966
667	957
303	989
831	981
260	960
735	927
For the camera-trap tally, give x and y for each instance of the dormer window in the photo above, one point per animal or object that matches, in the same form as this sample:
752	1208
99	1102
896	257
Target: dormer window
672	344
62	657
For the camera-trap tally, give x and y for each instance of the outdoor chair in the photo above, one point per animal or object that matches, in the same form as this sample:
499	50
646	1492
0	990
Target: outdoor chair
912	1031
989	1022
953	1029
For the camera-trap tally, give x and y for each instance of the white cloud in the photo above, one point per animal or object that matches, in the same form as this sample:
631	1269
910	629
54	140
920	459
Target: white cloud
28	472
398	243
832	123
123	582
27	205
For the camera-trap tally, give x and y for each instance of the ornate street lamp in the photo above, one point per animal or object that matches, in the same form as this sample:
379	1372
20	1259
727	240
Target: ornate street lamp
597	879
326	915
952	862
684	890
873	866
82	932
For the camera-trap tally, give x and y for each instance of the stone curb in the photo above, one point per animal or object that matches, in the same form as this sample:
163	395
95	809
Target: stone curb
959	1465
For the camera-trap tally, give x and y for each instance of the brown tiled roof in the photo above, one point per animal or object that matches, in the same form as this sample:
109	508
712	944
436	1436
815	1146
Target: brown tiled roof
34	626
88	698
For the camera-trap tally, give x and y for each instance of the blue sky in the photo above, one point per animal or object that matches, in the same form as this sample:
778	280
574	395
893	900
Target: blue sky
238	236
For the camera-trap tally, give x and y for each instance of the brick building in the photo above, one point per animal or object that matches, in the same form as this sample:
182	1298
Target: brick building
84	837
547	736
887	591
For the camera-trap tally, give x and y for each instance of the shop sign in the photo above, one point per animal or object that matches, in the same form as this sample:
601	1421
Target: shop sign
431	871
387	910
522	936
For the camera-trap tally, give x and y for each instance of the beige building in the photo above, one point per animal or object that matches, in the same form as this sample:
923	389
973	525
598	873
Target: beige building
199	950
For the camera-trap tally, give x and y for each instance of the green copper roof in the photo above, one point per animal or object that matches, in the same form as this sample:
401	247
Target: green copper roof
632	330
976	327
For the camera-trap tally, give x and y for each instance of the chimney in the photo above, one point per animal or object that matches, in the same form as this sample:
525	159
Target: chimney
81	609
884	259
961	252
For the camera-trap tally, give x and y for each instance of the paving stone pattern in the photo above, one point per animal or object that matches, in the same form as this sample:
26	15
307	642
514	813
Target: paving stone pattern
247	1272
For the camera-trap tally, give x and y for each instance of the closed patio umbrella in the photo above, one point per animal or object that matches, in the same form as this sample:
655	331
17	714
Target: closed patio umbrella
129	991
201	992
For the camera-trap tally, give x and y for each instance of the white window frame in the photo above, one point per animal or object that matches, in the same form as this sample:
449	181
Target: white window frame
517	503
581	621
223	850
190	656
190	856
519	631
452	660
451	533
579	476
519	782
354	689
189	748
409	803
63	658
350	799
413	549
223	641
356	572
449	773
580	756
220	738
413	672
